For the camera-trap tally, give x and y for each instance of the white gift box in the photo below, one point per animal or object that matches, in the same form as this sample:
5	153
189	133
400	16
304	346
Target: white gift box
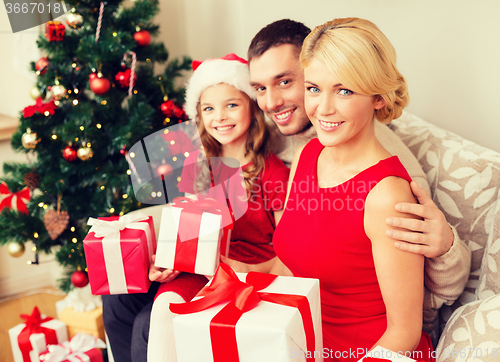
267	333
38	342
208	244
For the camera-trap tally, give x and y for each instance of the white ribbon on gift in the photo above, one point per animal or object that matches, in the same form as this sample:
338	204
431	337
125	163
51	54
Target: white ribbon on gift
110	232
73	350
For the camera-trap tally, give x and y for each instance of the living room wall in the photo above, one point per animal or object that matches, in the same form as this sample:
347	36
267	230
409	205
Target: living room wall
449	50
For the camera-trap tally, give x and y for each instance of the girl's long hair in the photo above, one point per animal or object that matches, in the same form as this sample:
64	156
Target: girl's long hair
257	147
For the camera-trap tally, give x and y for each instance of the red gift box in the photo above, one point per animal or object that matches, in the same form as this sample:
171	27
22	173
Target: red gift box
193	234
82	347
118	252
54	31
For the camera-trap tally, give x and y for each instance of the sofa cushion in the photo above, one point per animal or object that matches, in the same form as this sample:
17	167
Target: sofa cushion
472	333
464	179
489	278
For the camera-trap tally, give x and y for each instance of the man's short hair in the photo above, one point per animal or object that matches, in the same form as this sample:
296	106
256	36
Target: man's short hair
280	32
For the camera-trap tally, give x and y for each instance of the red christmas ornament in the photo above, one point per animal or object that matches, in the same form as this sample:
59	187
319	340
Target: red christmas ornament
41	65
123	78
54	31
142	38
69	154
100	86
79	279
164	170
168	108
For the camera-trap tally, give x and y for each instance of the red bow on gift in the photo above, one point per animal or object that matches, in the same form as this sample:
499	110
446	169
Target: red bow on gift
242	297
189	229
40	107
19	196
33	325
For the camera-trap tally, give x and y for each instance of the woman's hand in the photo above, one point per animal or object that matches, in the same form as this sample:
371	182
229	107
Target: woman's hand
161	275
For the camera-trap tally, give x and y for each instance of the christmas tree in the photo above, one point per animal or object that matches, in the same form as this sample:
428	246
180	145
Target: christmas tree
96	96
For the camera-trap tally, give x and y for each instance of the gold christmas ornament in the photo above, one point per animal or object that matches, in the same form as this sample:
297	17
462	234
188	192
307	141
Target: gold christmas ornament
74	20
58	91
35	93
29	139
84	153
15	249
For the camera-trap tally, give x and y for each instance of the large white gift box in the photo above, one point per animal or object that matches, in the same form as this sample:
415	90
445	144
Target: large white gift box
269	332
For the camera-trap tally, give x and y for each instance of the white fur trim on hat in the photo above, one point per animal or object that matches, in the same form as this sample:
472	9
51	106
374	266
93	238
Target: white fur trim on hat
216	71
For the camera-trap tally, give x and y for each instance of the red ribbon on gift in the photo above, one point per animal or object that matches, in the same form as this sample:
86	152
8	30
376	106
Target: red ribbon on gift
189	228
242	297
33	325
21	197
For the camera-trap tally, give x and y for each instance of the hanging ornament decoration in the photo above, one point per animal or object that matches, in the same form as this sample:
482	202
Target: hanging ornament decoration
142	38
58	91
35	93
46	108
32	180
74	20
14	200
29	139
178	142
54	31
56	221
41	65
99	22
129	76
15	249
79	279
122	78
84	153
170	109
98	84
164	170
69	153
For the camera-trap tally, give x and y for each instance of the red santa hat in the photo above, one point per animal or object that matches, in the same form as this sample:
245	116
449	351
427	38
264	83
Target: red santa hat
229	69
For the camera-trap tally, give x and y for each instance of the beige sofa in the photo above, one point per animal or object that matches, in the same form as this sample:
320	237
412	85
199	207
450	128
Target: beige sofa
465	182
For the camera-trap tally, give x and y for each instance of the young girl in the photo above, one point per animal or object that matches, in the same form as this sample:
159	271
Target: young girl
371	292
219	97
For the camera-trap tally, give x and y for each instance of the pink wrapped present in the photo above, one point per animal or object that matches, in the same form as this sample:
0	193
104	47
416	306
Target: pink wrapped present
118	252
32	337
82	348
193	234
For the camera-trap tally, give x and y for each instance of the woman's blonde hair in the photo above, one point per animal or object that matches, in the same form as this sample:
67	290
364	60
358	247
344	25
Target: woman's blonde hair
257	147
362	58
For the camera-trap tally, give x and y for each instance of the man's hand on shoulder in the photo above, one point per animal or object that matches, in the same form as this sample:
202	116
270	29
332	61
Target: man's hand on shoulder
431	236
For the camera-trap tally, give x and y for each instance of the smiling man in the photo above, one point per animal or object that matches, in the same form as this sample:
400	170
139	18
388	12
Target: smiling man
277	76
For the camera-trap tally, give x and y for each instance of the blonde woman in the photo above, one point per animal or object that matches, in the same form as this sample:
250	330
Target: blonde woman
372	293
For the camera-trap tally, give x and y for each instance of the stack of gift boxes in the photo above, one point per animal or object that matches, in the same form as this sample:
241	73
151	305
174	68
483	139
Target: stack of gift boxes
279	315
42	338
